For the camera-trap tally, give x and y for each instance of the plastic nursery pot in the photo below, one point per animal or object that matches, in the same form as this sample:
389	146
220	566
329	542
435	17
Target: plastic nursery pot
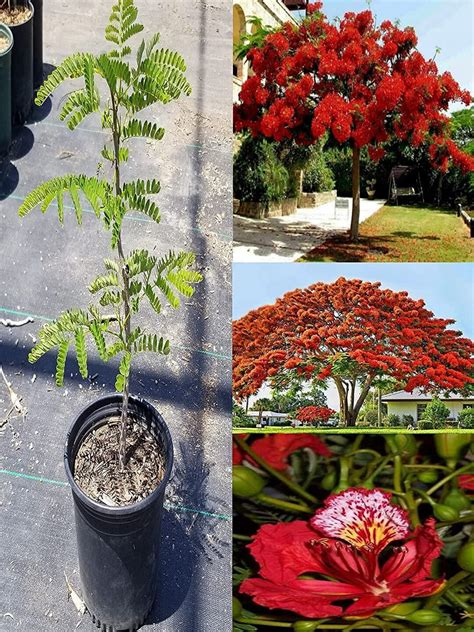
118	546
22	69
38	44
5	93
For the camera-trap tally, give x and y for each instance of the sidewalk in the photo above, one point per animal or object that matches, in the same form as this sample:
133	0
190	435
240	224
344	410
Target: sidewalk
284	239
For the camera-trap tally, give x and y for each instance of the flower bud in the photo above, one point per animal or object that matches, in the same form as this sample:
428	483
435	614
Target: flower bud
428	476
403	609
445	513
452	446
457	499
329	481
424	617
236	608
465	557
305	626
245	482
404	444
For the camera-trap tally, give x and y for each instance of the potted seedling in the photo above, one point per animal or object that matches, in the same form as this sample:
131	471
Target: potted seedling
6	44
118	453
18	16
371	188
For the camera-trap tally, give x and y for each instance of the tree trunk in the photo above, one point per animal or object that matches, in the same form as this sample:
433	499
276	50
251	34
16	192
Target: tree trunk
355	194
379	406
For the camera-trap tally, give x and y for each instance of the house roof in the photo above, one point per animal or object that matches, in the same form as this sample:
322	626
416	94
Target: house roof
266	413
417	395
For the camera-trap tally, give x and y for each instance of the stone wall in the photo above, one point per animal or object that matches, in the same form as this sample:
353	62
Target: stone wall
309	200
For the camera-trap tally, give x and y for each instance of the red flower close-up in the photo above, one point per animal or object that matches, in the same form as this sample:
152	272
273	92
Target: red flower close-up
358	549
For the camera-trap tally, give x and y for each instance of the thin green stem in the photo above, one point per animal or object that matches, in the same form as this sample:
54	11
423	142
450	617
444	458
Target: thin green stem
297	489
243	538
282	504
461	470
258	621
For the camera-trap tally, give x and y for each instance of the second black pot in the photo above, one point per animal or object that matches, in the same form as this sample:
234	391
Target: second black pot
22	70
5	94
38	44
118	546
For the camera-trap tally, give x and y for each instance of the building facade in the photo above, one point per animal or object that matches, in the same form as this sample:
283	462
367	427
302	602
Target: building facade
402	403
271	12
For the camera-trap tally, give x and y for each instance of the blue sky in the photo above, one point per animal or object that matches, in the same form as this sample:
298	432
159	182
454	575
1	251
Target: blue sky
448	289
446	24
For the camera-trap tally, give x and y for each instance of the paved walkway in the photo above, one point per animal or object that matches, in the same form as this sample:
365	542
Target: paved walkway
283	239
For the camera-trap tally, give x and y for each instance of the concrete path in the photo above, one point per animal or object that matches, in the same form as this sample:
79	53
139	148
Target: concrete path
283	239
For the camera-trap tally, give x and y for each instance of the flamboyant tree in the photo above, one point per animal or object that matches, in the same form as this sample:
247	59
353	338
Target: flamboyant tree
351	332
362	83
315	414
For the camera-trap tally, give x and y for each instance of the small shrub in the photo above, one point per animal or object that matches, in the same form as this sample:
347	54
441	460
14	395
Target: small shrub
393	421
437	412
371	417
317	175
425	424
408	420
259	176
466	418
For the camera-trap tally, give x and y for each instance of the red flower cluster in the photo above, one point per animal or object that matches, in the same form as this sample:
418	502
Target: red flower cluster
360	82
310	414
349	547
466	481
276	449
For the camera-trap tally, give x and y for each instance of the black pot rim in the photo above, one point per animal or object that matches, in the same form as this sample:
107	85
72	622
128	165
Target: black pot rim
5	29
136	507
14	26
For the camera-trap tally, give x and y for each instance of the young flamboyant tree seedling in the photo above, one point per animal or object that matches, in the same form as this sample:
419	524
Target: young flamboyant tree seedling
156	76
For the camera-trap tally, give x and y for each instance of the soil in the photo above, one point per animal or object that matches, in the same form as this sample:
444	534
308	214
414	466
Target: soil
97	469
14	17
4	43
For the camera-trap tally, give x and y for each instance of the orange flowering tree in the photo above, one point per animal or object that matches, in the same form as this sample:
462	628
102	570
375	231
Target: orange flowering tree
362	83
354	333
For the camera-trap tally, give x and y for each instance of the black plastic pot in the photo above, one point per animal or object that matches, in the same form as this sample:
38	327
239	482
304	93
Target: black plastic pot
22	70
118	546
38	44
5	94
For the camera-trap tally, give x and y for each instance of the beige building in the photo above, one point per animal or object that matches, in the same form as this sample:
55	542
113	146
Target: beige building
271	12
402	403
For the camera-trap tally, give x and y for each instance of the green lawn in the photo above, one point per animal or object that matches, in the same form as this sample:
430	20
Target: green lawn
400	233
306	430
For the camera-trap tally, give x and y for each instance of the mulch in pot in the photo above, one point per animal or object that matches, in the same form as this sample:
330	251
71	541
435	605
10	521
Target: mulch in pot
97	469
14	16
4	43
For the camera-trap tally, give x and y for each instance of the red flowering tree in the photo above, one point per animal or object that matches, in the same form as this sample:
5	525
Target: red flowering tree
353	333
362	83
312	414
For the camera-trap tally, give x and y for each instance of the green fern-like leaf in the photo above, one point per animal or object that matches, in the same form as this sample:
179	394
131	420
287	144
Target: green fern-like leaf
61	361
124	371
71	68
81	352
103	281
153	299
98	335
143	129
152	343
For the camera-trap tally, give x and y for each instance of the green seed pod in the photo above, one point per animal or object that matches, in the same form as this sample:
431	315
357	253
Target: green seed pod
424	617
445	513
456	499
465	557
305	626
403	609
428	476
236	608
245	482
452	446
329	481
405	445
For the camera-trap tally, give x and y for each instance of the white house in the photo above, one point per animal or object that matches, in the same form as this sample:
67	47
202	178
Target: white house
271	12
269	418
402	403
